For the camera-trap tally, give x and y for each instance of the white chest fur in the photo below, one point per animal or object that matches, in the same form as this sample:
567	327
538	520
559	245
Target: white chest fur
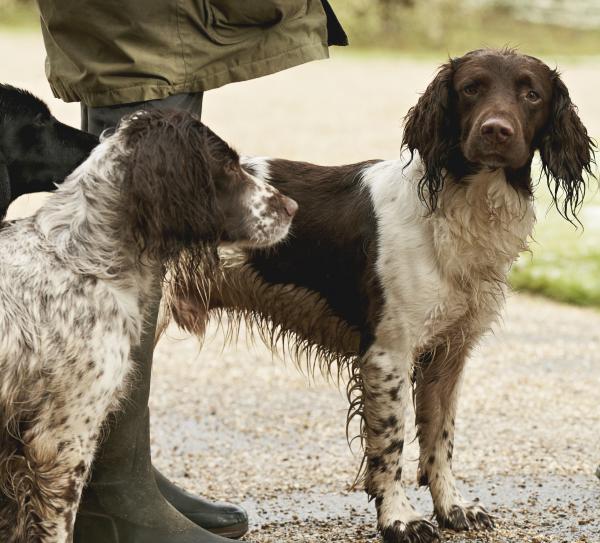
445	269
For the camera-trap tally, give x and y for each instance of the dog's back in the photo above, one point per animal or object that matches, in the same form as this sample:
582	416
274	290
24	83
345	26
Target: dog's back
323	257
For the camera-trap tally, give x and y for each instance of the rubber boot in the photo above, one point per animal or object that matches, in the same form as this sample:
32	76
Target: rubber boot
123	502
218	517
96	120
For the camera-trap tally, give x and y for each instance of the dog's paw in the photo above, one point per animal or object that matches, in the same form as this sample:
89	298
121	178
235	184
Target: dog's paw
414	531
466	517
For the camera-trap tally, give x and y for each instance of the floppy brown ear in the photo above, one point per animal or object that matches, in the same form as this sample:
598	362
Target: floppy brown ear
567	152
430	130
170	191
5	193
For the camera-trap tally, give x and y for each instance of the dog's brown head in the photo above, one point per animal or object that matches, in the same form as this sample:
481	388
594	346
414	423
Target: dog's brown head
255	212
184	186
494	109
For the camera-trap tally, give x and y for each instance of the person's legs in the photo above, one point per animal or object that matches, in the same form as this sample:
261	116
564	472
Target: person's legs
127	500
97	119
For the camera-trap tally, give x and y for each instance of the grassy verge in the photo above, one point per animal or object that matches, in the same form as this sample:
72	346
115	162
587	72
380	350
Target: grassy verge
452	28
564	263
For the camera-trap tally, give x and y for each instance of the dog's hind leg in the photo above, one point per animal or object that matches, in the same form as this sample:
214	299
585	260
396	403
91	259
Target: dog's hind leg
437	379
59	443
49	480
386	392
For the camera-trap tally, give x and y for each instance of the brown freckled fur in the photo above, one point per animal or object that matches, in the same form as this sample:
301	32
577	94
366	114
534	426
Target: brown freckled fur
311	314
154	204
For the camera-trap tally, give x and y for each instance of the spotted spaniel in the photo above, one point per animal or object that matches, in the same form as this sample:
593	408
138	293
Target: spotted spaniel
75	280
398	267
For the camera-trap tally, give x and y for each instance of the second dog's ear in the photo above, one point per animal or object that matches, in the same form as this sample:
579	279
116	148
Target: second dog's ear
5	194
428	130
172	200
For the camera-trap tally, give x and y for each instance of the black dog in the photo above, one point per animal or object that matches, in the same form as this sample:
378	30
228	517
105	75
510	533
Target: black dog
36	150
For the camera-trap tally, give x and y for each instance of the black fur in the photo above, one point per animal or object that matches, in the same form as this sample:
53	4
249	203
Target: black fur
36	150
345	248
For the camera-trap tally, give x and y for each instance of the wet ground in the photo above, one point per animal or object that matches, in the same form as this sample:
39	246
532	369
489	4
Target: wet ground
234	423
565	510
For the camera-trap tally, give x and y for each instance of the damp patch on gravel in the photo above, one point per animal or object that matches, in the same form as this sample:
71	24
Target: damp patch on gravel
553	509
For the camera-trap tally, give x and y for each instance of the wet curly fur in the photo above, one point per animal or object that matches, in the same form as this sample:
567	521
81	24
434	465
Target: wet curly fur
433	131
395	269
76	285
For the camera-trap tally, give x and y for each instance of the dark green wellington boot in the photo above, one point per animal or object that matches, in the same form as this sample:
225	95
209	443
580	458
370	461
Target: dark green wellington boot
218	517
124	501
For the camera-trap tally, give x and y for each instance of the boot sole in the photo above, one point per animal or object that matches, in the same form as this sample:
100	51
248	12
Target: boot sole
234	531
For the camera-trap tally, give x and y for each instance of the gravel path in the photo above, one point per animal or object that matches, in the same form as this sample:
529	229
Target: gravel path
234	423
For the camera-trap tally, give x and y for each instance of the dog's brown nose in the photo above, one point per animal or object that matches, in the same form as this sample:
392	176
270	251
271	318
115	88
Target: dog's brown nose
497	129
290	206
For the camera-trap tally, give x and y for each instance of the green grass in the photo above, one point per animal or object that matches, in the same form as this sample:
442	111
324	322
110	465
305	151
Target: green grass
564	263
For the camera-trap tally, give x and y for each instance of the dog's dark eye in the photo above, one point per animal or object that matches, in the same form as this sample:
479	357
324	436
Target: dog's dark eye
471	90
532	96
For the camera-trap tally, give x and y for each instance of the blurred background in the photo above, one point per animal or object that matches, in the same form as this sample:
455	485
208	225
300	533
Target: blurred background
528	440
438	26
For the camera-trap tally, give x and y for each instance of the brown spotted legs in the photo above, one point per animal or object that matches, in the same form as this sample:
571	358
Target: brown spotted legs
386	389
58	449
437	375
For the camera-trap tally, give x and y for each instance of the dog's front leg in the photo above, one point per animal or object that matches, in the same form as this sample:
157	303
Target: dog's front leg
386	389
437	375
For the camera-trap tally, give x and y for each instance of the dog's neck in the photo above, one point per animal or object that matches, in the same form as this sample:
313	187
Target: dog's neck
82	223
482	222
